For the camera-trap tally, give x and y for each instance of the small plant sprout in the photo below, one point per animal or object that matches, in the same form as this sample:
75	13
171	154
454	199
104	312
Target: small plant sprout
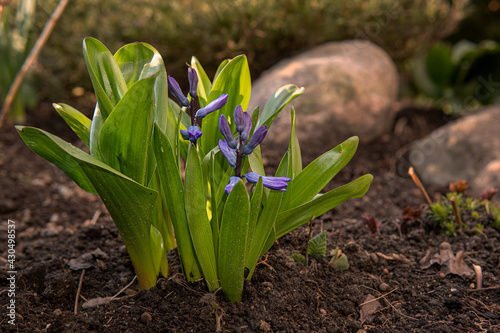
418	183
459	186
137	139
372	223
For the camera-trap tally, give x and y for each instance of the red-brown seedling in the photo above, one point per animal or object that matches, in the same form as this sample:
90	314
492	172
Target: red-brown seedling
488	195
372	223
459	186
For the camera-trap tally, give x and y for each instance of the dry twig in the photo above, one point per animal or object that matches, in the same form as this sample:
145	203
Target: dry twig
417	182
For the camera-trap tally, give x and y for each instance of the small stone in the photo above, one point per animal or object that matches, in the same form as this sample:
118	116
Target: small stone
323	312
267	285
384	287
374	258
265	327
445	246
57	312
146	317
442	275
385	271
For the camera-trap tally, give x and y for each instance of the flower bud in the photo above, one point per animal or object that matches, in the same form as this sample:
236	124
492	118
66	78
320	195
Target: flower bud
226	132
193	82
232	182
228	153
192	133
274	183
175	90
257	138
215	105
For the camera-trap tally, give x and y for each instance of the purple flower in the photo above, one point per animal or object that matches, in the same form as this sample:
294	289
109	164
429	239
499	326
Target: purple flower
175	90
256	139
274	183
193	82
215	105
192	133
232	182
243	122
226	132
228	153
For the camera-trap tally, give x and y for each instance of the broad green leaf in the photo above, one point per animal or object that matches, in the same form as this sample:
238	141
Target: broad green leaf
277	102
220	68
126	134
233	80
317	245
319	172
214	222
293	218
232	243
171	184
58	152
266	222
294	147
141	60
204	84
255	161
78	122
196	213
129	203
255	209
106	77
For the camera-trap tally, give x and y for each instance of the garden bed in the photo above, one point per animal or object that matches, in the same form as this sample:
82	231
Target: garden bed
57	222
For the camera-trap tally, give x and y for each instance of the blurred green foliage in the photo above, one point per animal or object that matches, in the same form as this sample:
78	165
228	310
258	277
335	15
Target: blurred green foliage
15	43
461	77
266	31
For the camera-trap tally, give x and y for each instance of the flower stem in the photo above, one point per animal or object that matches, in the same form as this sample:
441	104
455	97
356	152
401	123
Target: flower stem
239	157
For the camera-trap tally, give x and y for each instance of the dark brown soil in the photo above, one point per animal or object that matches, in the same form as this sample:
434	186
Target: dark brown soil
53	221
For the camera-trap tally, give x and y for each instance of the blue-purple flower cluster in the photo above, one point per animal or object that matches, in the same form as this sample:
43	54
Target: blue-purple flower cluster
235	148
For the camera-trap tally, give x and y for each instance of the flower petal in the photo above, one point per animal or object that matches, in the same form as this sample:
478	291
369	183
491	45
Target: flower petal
256	139
215	105
175	90
226	132
232	182
192	133
248	127
274	183
228	153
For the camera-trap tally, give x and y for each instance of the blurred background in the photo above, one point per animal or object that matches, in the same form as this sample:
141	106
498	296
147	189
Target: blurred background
425	38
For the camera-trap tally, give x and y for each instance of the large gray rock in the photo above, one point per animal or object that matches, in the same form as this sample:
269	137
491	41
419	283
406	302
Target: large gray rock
350	89
467	149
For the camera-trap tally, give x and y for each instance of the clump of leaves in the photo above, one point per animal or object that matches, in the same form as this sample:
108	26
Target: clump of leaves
339	260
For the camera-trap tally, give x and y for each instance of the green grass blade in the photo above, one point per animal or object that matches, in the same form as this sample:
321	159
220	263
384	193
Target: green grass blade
319	172
171	184
301	214
196	213
232	243
126	134
106	77
78	122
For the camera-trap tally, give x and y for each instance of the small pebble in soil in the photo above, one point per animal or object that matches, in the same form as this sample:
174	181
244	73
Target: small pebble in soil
323	312
374	258
384	287
265	327
385	271
267	285
57	312
146	317
442	275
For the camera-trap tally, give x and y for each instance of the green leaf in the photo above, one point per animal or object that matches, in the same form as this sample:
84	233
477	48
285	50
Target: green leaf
95	130
78	122
255	209
294	147
339	260
220	68
291	219
266	222
440	65
129	203
171	184
196	213
232	243
233	80
317	245
138	61
106	77
277	102
204	84
58	152
158	251
297	257
126	134
318	173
